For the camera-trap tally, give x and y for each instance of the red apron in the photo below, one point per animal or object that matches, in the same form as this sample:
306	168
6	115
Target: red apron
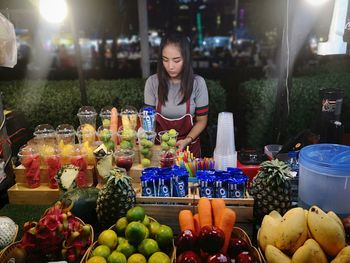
182	125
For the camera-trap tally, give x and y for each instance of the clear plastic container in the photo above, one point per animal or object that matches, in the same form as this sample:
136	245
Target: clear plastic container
30	159
87	115
324	177
105	115
129	117
44	134
124	158
168	139
65	134
86	133
146	142
127	138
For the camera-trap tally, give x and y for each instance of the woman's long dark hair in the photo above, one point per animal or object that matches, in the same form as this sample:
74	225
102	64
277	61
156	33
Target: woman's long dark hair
186	74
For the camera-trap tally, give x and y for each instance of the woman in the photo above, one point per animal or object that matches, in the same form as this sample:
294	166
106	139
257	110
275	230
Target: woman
180	97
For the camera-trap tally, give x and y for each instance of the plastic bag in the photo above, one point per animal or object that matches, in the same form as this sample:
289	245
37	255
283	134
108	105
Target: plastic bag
8	46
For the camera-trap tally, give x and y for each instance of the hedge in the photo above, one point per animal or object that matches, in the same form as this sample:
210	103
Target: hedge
57	102
257	103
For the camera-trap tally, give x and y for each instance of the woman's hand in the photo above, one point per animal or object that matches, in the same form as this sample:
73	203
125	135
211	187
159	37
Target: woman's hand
181	144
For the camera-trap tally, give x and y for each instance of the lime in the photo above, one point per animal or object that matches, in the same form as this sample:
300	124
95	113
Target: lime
137	213
164	146
109	238
145	162
146	221
121	240
172	132
159	257
135	232
126	248
97	259
172	142
147	247
116	257
153	228
126	145
144	142
165	137
150	144
121	225
102	251
144	151
164	237
137	258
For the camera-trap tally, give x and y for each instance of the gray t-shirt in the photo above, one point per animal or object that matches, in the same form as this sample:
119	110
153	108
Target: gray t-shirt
198	103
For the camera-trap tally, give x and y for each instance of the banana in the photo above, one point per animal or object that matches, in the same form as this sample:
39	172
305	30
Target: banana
326	230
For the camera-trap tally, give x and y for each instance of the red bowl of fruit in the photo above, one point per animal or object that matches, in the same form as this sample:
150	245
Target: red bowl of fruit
124	158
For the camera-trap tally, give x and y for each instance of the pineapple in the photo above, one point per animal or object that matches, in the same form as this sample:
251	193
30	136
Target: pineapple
115	198
271	189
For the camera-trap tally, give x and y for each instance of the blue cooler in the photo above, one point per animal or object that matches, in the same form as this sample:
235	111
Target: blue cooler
324	177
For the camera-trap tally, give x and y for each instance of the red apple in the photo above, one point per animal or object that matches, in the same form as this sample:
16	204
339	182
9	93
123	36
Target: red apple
246	257
218	258
187	240
211	239
236	246
188	257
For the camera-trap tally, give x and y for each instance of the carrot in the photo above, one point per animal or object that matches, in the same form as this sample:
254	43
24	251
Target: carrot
186	221
204	211
218	205
114	124
197	226
227	222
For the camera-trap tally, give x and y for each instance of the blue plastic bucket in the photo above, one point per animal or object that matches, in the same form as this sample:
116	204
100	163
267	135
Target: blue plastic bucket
324	177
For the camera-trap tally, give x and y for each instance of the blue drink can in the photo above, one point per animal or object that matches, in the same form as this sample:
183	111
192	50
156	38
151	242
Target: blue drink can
148	118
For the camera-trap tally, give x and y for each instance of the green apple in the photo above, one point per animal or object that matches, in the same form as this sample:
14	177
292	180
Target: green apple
165	137
164	146
172	132
172	142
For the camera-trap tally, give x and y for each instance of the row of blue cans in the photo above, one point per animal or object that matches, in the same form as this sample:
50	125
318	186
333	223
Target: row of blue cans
164	182
231	183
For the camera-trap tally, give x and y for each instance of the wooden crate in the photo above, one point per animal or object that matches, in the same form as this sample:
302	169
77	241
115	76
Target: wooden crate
42	195
20	176
21	194
166	209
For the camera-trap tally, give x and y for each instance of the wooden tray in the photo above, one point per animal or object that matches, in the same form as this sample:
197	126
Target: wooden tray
166	209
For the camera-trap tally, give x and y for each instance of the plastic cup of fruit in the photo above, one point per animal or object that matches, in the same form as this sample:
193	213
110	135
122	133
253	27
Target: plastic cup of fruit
129	117
126	138
86	133
167	159
87	115
105	115
30	159
65	134
167	139
124	158
44	134
52	163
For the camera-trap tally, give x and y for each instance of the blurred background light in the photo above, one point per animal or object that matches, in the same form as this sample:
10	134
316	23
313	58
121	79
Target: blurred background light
54	11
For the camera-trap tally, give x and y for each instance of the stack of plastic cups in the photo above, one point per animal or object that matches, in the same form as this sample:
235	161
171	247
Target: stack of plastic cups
225	154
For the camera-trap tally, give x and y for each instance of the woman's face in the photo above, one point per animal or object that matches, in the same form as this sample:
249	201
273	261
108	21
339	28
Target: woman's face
172	60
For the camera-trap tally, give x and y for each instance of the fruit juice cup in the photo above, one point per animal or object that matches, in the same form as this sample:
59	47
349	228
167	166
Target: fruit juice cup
124	158
168	139
30	159
44	134
105	135
105	115
129	117
79	159
127	138
65	134
167	159
87	115
52	165
86	133
146	142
